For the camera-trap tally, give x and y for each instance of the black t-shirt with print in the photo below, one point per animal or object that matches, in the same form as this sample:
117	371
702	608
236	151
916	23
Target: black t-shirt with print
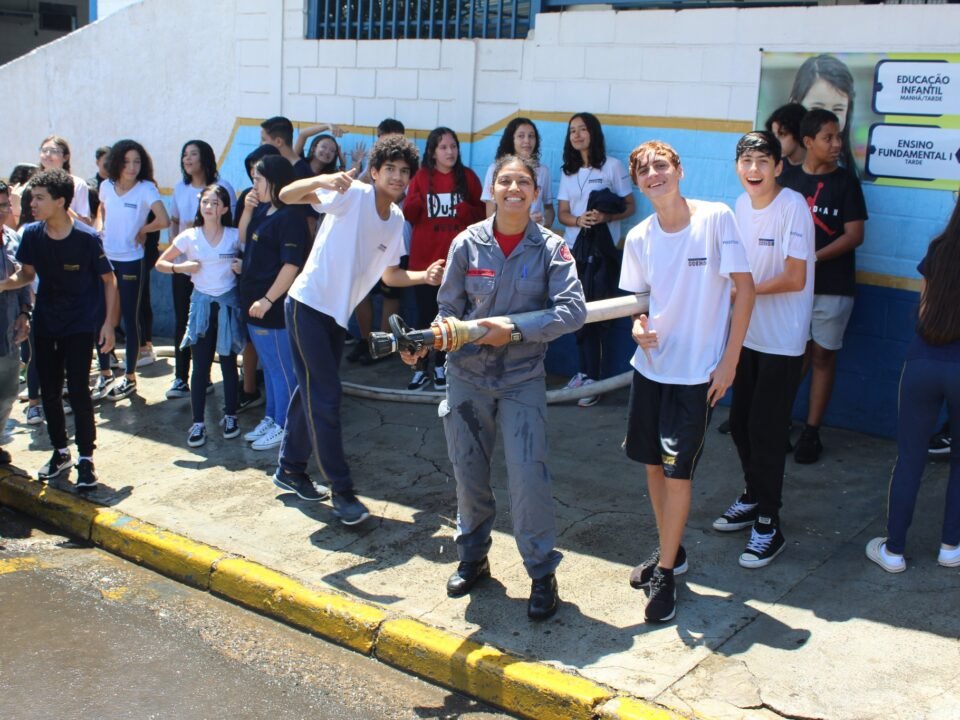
70	293
834	198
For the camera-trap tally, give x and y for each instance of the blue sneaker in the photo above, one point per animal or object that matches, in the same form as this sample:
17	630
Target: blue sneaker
301	484
350	510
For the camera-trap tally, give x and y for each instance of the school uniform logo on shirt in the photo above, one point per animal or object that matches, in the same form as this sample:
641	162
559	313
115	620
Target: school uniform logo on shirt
71	268
765	242
381	247
132	206
697	262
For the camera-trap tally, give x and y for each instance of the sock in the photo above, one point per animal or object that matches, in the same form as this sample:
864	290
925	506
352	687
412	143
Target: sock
88	458
666	571
747	498
63	451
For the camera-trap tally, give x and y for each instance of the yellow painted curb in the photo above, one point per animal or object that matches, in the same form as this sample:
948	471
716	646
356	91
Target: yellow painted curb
528	688
337	618
17	564
63	510
624	708
166	552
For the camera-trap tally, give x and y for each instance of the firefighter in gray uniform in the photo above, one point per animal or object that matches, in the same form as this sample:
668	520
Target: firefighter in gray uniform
502	266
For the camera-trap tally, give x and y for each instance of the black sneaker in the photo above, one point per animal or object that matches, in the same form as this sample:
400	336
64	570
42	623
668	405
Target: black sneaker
249	400
231	428
197	435
439	379
418	380
724	427
5	457
121	390
358	352
940	443
59	462
808	447
766	542
662	605
301	485
350	510
86	476
641	574
740	515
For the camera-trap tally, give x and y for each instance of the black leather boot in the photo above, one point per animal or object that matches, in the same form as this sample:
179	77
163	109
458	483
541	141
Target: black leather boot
467	575
544	599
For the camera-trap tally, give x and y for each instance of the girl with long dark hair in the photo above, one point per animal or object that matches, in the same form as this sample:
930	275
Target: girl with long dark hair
127	198
275	239
521	138
442	200
198	166
206	252
587	168
931	376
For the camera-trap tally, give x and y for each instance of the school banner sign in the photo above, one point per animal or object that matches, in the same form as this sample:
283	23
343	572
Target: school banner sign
899	113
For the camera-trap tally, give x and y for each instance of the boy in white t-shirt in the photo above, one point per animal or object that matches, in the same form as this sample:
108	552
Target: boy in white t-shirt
359	243
686	255
777	230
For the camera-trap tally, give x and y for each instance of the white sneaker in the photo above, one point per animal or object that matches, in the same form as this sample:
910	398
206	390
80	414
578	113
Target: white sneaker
35	415
877	551
271	439
23	395
102	387
147	357
949	558
260	430
576	381
67	409
589	400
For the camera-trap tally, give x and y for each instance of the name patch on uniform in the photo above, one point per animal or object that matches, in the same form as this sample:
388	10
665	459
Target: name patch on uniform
480	272
697	262
766	242
132	206
71	268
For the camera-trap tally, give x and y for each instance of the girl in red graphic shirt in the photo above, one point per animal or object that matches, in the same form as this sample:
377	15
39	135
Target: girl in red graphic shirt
442	200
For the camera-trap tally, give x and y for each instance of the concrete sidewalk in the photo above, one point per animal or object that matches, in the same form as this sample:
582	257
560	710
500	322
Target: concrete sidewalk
821	633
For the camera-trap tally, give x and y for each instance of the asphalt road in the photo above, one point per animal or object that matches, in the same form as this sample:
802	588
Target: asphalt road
86	635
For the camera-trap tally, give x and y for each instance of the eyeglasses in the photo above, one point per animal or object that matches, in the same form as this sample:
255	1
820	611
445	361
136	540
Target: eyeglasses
51	150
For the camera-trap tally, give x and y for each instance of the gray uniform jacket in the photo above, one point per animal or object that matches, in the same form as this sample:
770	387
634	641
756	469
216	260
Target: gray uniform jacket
479	282
11	300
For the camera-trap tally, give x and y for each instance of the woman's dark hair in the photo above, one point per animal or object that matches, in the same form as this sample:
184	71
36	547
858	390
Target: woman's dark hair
22	172
529	164
335	165
251	160
64	148
506	146
224	197
597	153
116	159
208	161
278	172
430	161
939	318
835	72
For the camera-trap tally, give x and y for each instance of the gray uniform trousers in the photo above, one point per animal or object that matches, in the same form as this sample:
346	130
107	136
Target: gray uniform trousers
9	387
470	418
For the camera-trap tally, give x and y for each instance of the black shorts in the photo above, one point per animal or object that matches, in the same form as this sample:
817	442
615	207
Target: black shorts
387	292
666	425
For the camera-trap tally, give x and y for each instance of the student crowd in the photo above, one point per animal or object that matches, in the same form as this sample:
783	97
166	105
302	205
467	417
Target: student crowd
749	299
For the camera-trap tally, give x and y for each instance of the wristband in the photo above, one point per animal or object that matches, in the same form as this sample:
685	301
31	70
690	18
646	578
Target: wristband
268	300
27	314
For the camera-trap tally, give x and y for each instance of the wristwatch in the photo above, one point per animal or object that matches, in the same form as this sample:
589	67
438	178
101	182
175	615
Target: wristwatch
515	334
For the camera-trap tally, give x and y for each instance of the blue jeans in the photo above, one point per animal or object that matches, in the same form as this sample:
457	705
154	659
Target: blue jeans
313	418
130	276
273	349
924	386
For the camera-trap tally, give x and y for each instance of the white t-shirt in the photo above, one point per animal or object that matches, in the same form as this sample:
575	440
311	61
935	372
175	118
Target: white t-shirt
352	250
780	324
186	200
543	184
215	276
81	197
687	274
576	189
125	215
